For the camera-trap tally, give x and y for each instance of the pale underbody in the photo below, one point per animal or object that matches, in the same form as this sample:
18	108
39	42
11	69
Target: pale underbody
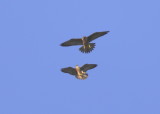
80	74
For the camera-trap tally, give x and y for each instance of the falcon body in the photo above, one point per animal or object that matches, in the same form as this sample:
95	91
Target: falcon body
85	42
79	72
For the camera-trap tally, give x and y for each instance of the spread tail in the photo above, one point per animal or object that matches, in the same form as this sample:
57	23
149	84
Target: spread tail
88	48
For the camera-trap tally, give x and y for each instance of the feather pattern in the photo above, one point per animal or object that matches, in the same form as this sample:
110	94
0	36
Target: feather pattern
88	67
69	70
88	48
96	35
72	42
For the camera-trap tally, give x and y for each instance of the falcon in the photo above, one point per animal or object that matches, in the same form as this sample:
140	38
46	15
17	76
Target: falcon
79	72
85	42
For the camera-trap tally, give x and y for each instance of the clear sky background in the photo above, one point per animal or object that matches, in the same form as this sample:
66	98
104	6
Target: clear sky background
126	81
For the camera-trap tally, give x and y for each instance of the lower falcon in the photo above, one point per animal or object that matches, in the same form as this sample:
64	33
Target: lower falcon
85	41
79	72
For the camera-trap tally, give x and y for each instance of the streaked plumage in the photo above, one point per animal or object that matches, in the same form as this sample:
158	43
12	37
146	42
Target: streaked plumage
85	41
79	72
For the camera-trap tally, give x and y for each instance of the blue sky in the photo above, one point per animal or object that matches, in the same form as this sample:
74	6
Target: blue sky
126	80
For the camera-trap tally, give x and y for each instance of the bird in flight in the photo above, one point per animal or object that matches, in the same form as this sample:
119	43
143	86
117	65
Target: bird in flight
79	72
85	41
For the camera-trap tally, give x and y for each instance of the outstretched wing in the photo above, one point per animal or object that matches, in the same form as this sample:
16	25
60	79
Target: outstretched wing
72	42
69	70
96	35
88	67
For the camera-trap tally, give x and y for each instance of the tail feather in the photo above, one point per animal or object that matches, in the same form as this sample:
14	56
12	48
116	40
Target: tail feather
88	48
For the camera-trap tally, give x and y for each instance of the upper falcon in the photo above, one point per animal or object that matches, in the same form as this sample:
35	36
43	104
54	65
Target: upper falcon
85	41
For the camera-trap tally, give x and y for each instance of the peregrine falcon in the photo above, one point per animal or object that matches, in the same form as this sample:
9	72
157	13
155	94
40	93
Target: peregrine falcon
85	41
79	72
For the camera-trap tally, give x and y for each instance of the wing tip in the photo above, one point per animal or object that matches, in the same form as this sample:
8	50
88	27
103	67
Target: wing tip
95	65
62	69
63	44
106	32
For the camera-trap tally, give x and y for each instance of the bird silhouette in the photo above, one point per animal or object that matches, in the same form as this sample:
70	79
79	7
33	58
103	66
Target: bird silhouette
87	47
79	72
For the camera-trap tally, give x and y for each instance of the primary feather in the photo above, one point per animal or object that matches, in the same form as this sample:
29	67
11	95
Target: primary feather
88	67
96	35
72	42
69	70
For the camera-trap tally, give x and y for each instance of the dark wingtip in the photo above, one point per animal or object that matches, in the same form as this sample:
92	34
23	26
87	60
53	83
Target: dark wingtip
62	69
62	44
106	32
95	65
